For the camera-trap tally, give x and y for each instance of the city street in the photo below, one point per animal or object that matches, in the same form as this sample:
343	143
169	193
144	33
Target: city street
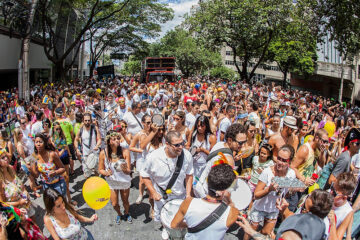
105	228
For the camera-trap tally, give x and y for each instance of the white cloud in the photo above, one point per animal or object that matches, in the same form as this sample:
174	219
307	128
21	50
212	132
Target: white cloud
180	8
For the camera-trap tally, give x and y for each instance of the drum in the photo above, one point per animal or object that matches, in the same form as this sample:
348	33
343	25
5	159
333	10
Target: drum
158	120
241	194
167	214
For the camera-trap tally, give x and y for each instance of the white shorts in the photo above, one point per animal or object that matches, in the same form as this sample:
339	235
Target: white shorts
259	216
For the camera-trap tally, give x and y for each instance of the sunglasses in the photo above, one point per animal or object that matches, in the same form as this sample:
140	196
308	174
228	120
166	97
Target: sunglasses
240	142
283	159
252	131
357	144
324	141
22	123
178	144
57	129
147	123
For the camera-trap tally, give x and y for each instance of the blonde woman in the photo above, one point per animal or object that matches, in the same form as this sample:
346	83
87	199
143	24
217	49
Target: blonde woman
12	190
25	158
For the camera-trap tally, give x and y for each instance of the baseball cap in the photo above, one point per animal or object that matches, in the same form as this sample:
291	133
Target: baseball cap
307	225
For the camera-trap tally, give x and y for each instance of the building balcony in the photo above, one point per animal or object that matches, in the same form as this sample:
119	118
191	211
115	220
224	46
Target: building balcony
333	70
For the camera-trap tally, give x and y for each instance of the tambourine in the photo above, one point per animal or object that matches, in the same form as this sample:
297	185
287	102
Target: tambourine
158	120
120	165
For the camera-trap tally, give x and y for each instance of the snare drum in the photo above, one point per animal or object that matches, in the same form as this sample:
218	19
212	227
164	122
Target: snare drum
241	194
167	214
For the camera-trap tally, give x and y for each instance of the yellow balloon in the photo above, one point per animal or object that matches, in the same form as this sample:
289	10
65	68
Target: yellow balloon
98	90
308	138
330	128
96	192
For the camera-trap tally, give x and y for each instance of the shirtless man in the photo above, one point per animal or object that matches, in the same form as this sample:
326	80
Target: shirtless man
286	136
303	163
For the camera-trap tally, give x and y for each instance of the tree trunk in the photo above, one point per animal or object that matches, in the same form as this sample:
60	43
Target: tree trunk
92	68
59	71
284	78
24	69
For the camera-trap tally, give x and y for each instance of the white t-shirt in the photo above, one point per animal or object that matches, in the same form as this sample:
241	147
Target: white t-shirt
340	213
121	112
133	125
27	139
136	98
254	117
20	111
36	128
201	187
224	125
268	202
159	101
190	120
159	168
355	160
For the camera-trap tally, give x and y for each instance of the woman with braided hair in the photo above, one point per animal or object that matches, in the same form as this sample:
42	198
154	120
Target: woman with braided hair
114	164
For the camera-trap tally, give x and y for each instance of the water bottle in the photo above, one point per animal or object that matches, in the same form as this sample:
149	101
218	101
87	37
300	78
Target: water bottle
315	185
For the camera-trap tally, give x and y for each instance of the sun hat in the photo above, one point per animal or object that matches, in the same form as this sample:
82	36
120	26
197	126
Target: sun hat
290	121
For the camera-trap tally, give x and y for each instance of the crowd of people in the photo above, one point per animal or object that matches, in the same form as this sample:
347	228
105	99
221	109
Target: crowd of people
192	139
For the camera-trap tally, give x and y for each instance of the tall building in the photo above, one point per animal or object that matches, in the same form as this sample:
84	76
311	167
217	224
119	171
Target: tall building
324	81
264	72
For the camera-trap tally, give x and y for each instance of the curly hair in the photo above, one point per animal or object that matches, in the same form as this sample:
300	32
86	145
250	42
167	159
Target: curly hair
220	178
322	202
44	138
234	130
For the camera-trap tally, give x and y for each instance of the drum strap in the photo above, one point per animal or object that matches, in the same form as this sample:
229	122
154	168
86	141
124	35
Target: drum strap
175	175
223	150
137	120
210	219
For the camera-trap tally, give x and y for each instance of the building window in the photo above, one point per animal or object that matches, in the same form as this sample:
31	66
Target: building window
227	62
229	53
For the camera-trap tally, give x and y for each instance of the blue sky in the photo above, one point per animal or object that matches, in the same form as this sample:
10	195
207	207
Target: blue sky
180	7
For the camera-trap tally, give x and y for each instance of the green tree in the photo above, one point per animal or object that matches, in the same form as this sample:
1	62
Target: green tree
341	22
246	26
294	47
121	24
223	73
127	32
131	67
191	56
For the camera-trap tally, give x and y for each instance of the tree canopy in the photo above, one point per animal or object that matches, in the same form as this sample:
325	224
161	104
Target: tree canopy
192	57
246	26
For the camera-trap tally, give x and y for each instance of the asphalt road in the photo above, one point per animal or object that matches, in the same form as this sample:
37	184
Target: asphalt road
143	227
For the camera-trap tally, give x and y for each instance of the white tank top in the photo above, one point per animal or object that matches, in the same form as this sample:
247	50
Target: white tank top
200	158
116	176
198	210
85	141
